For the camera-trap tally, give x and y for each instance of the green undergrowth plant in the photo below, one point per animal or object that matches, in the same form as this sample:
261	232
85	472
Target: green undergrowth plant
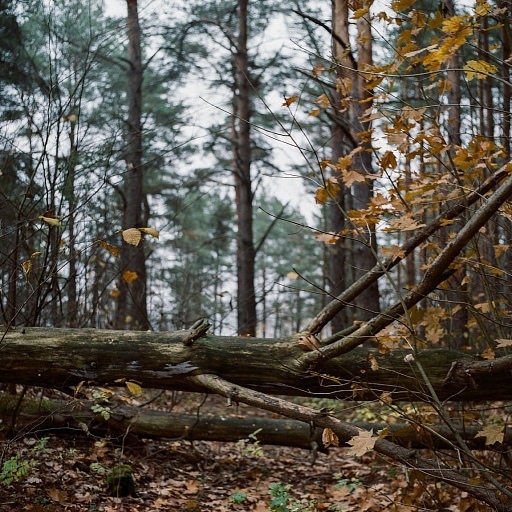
239	497
282	501
100	407
15	469
251	445
18	468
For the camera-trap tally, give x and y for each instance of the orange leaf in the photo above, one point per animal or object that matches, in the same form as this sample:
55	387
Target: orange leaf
129	277
344	162
388	161
289	101
321	195
110	248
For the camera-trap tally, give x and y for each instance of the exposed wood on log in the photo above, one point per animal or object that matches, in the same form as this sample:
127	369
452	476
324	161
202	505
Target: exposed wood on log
62	358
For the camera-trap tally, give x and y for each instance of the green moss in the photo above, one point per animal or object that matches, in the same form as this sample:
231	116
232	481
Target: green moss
120	481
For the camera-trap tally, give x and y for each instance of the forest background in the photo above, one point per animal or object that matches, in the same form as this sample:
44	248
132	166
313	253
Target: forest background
130	202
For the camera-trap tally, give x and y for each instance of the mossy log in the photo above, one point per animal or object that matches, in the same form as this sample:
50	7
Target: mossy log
73	414
63	358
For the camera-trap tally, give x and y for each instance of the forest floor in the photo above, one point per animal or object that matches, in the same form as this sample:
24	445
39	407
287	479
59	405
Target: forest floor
68	473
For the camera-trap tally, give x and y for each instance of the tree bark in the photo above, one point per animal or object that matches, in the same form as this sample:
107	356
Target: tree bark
340	254
63	358
356	133
132	300
241	131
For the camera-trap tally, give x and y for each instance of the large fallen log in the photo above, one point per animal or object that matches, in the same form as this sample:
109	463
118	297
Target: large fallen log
73	414
63	358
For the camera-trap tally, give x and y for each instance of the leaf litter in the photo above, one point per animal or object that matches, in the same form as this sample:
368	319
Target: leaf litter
69	474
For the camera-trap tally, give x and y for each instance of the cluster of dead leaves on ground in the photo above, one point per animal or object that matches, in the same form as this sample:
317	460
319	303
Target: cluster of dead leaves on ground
69	474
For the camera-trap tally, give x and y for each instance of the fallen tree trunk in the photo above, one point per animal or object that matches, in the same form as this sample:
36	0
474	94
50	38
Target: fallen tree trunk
63	358
63	415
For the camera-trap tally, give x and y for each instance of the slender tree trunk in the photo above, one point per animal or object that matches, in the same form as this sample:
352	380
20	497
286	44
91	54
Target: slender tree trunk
340	255
132	301
12	291
246	300
365	247
362	256
72	316
457	294
506	34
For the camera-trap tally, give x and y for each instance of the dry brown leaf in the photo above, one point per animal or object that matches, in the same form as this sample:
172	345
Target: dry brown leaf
110	248
501	343
49	220
58	496
388	161
132	236
329	438
308	342
386	398
492	434
151	231
350	177
374	364
394	250
361	443
326	238
323	101
321	195
488	353
27	267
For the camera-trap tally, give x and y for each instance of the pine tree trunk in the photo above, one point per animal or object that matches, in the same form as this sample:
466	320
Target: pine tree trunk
246	299
132	301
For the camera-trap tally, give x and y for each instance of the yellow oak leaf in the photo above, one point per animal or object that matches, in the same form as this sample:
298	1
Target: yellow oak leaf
401	5
479	69
133	387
